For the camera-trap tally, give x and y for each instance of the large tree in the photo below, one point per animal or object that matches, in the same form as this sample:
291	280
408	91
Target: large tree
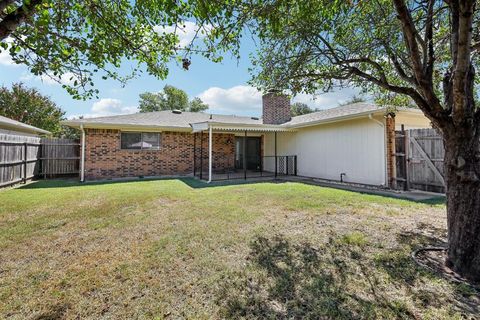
170	98
420	51
70	41
29	106
300	108
354	99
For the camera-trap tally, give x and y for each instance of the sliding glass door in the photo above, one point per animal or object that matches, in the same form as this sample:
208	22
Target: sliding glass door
252	152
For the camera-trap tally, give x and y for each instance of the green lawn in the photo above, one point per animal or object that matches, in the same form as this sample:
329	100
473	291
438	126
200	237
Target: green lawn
178	249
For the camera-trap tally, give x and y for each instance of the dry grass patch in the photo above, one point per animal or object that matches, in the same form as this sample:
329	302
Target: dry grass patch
179	249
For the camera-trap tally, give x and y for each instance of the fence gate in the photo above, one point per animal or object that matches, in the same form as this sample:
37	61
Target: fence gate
419	160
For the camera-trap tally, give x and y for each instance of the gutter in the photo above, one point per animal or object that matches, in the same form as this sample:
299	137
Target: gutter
82	154
381	124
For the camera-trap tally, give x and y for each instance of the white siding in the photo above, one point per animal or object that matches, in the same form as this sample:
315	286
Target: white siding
356	148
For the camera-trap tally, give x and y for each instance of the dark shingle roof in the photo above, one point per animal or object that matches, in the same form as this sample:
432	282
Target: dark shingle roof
170	119
334	113
165	119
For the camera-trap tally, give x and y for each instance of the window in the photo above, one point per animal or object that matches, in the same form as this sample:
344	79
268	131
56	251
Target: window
140	140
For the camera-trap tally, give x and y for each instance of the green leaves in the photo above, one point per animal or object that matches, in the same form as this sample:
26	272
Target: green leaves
29	106
86	37
170	98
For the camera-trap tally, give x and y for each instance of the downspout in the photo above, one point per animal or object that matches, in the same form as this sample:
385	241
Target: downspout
82	155
370	116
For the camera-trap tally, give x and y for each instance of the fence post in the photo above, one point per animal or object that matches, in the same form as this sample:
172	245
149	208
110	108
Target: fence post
406	140
39	159
25	158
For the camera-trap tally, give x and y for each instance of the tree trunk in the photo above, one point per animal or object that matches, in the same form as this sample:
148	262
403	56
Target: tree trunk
462	164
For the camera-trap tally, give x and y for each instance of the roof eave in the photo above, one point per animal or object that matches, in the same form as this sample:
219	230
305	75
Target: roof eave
123	126
25	129
259	127
335	119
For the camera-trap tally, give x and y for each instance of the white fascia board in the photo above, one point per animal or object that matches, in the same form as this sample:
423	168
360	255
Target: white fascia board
203	126
25	128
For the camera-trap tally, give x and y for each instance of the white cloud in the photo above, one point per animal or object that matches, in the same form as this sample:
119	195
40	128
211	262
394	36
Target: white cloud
5	58
107	107
111	106
185	32
240	100
327	100
246	100
49	79
66	79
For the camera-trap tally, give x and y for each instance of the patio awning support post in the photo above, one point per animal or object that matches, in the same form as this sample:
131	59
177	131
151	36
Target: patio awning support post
210	154
245	156
275	154
82	154
201	155
194	154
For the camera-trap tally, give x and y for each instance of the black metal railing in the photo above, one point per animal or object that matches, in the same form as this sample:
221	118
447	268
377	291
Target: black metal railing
256	167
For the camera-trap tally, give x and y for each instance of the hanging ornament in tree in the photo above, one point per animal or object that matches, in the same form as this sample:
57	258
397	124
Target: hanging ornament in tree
186	63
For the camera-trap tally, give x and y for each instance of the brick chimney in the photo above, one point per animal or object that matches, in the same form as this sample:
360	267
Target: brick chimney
276	107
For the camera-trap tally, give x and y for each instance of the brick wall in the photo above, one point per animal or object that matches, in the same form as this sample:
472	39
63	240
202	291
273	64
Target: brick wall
276	108
105	159
223	152
391	160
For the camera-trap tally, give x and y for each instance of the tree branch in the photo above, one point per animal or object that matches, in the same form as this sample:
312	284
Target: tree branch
410	35
429	63
462	66
422	74
12	20
4	4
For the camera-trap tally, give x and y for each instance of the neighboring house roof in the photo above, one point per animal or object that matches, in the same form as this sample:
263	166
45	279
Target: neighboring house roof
13	125
187	120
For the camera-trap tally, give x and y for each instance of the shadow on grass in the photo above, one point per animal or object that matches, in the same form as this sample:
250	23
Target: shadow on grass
285	280
425	235
191	182
199	184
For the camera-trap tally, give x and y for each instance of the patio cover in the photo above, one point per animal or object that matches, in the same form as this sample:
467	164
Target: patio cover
220	126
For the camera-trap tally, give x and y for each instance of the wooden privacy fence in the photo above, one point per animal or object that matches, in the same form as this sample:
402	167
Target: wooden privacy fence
59	157
23	158
419	160
18	158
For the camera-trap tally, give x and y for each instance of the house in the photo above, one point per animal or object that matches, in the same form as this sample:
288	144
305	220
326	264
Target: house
352	143
13	127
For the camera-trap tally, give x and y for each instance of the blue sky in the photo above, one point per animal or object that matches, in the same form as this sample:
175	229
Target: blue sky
222	85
